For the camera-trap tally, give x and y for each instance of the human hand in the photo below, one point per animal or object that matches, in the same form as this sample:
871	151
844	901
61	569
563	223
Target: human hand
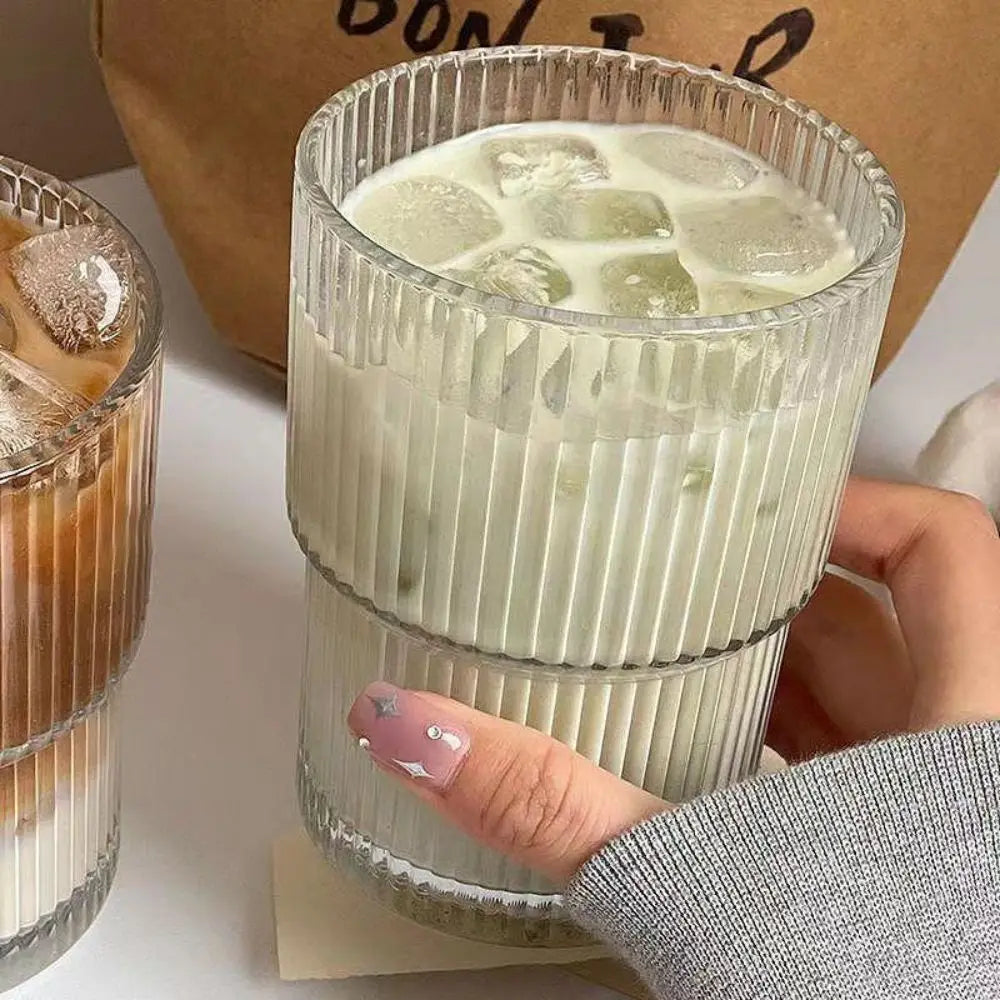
851	673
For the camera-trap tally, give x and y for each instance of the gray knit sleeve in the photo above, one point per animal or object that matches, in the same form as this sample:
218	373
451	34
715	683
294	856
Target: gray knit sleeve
869	874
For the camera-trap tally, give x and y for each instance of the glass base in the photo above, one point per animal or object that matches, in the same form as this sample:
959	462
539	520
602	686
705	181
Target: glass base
679	732
518	919
31	950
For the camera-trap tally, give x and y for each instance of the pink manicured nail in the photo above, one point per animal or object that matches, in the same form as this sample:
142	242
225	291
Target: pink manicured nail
408	735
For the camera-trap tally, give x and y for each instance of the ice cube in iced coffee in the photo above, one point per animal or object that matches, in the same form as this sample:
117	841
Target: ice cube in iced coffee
70	307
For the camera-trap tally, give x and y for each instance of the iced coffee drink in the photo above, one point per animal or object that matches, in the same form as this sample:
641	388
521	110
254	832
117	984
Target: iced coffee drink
79	373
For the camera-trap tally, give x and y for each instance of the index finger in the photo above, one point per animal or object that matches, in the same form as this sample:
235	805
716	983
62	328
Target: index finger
939	554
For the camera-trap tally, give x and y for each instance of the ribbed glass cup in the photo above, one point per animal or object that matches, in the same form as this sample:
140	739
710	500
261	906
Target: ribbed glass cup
75	515
564	491
675	731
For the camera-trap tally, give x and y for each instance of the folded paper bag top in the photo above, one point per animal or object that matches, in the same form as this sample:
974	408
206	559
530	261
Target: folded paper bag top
907	79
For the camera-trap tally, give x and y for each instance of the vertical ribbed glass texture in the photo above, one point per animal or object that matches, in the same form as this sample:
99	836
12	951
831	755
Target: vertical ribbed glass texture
75	513
676	730
58	839
554	487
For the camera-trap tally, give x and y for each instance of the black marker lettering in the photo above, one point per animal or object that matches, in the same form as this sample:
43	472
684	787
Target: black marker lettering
514	31
797	26
415	24
617	29
385	11
476	27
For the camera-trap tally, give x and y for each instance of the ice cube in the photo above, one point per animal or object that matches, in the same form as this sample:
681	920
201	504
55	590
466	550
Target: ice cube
760	236
766	509
543	163
697	479
554	385
525	273
79	284
729	297
427	219
87	375
694	159
652	285
601	214
31	406
519	368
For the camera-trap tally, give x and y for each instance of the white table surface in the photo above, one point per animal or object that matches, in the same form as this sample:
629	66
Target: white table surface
209	736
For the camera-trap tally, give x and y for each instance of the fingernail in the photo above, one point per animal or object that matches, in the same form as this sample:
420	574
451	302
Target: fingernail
408	735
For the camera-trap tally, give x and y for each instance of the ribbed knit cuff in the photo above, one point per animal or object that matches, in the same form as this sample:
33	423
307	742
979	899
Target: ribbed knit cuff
872	874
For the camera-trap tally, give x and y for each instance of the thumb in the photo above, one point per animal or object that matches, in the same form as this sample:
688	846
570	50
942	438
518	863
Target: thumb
509	787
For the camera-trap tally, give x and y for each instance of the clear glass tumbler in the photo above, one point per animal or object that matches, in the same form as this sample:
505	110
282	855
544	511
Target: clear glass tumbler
75	513
595	525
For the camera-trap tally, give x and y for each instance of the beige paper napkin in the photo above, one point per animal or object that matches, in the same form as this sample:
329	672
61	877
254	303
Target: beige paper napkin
328	929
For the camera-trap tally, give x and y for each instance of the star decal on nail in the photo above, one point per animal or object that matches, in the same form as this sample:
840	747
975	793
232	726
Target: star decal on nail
386	705
414	768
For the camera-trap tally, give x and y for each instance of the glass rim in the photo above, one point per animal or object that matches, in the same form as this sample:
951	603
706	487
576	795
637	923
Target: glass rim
145	354
862	276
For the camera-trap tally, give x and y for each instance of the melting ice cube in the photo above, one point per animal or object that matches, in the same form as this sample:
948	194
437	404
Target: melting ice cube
729	297
525	273
760	236
697	478
427	219
694	159
78	283
31	406
652	285
601	214
543	163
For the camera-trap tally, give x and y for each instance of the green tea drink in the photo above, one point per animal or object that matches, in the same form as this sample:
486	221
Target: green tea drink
617	505
571	405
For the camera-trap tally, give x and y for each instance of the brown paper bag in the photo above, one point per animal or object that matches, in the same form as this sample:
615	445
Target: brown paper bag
212	97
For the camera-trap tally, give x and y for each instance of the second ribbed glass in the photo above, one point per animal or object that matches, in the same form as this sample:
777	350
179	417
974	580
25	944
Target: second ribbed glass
604	516
75	522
